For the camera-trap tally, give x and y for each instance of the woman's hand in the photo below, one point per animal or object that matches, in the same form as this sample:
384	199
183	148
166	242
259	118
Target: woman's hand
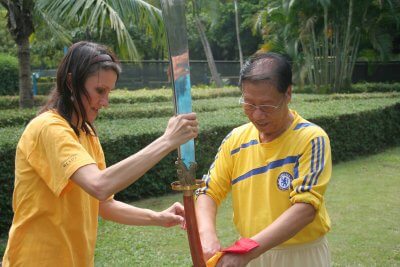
180	129
172	216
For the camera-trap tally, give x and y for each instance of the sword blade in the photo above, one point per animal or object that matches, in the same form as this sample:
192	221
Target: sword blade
175	23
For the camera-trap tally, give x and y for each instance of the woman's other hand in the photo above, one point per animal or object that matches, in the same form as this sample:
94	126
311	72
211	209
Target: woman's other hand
172	216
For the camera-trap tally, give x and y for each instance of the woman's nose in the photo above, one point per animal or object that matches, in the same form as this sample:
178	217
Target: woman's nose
104	101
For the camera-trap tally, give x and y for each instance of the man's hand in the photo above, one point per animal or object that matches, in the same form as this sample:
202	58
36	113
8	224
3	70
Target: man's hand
234	260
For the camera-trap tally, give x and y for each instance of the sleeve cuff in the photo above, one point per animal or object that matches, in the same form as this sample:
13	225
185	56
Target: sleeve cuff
71	170
307	197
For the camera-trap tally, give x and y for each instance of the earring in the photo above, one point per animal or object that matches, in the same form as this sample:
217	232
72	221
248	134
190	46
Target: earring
72	98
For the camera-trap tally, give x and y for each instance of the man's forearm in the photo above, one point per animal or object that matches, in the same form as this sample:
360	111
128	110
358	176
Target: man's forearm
283	228
206	211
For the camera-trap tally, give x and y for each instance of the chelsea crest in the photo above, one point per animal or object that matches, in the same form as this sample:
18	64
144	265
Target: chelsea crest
284	181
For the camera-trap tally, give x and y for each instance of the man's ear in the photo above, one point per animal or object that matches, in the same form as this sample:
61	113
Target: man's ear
289	93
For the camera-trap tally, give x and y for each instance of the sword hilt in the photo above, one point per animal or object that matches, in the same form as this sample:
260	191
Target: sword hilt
187	180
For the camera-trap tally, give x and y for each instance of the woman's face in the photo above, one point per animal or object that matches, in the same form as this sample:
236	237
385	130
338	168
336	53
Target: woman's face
98	87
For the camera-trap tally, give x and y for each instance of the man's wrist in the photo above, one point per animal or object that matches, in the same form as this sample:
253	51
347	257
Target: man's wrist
208	235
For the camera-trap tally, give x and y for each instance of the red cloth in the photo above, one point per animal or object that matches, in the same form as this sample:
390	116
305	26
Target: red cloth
242	246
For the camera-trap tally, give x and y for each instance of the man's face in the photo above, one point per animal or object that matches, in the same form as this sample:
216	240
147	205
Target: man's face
269	121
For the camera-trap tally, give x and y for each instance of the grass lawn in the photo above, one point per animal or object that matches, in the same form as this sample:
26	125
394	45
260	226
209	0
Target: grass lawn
362	199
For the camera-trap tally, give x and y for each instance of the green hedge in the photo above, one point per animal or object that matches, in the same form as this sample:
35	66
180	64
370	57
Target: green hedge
44	88
12	102
141	96
119	96
13	117
355	88
8	75
375	87
354	128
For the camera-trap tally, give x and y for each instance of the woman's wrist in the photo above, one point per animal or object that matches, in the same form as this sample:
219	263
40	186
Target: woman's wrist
166	143
155	218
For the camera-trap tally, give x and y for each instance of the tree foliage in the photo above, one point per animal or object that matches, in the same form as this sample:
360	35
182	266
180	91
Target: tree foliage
7	45
323	36
222	34
24	15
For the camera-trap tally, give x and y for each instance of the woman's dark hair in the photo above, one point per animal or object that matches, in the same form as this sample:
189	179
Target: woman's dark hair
267	67
82	60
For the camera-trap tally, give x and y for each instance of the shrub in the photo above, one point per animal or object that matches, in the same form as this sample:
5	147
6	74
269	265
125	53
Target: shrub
45	84
375	87
119	96
8	75
355	126
12	102
356	88
14	117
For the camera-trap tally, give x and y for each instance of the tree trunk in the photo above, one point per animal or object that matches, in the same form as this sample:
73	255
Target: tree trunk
207	50
345	80
25	81
20	25
326	79
235	2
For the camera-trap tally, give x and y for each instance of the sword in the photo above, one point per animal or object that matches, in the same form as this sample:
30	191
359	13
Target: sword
173	12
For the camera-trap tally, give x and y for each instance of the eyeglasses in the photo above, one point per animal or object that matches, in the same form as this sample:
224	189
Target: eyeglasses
263	108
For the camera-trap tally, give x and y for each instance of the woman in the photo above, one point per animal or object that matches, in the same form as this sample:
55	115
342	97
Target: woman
61	181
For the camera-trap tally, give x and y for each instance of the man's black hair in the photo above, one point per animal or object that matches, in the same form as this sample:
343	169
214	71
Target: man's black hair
268	66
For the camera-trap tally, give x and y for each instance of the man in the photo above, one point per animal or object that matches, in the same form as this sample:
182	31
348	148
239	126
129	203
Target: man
277	168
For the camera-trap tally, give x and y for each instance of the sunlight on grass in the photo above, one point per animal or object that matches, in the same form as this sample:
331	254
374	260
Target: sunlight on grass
362	200
120	245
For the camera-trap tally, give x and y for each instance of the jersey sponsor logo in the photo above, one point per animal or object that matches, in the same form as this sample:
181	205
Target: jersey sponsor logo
284	181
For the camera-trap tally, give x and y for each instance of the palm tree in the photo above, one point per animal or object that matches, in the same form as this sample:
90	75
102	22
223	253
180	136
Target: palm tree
196	8
20	25
237	23
23	15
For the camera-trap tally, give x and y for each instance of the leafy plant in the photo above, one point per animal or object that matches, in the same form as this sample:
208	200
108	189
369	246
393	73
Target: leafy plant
8	75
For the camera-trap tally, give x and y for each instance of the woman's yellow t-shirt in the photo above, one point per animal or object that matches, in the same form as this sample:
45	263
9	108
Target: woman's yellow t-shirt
55	221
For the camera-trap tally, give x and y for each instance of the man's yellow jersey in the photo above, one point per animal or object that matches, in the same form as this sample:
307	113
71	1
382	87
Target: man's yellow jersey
266	179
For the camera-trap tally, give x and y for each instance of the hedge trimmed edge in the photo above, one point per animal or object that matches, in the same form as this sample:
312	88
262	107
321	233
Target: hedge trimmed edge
351	135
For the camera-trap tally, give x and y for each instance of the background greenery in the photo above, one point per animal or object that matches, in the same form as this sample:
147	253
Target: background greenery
356	123
380	42
364	232
8	75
